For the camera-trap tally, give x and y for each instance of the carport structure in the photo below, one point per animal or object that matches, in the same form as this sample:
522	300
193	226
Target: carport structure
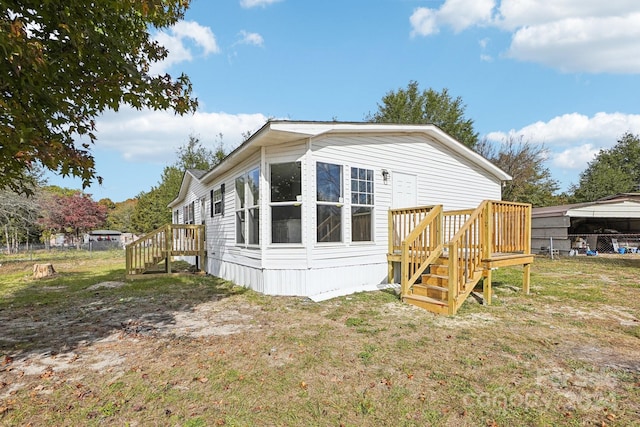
605	225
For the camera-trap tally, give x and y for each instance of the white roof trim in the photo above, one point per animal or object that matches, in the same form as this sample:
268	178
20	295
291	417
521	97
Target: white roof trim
276	132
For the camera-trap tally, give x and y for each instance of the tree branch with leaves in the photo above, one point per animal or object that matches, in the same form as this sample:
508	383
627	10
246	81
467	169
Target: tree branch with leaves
64	64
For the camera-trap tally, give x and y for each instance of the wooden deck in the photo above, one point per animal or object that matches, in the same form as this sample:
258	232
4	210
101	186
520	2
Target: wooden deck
444	255
161	245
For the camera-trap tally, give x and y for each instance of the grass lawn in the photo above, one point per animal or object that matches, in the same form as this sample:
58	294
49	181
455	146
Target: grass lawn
87	348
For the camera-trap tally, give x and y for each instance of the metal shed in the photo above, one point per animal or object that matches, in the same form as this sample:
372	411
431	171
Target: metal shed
610	224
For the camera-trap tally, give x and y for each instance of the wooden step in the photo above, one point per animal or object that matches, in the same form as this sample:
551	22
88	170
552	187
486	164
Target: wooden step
431	291
439	269
435	280
431	304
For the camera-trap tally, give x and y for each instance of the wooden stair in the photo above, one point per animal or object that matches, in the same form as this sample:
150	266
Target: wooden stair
432	292
444	255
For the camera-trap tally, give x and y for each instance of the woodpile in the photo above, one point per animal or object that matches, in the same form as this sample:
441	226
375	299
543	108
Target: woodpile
43	270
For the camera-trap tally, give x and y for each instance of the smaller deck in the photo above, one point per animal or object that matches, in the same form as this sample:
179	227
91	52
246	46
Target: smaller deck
443	255
161	245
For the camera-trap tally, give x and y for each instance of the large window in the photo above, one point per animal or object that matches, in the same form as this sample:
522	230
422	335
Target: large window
329	202
247	189
361	205
286	209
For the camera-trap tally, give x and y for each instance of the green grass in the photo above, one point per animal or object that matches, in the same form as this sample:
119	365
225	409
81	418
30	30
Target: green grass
565	355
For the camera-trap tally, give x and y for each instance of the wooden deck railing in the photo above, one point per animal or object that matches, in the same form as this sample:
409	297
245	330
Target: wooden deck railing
402	222
162	244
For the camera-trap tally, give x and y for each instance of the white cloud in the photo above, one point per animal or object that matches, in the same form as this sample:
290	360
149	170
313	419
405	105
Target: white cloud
458	14
423	22
153	136
248	4
573	140
254	39
175	40
569	35
575	158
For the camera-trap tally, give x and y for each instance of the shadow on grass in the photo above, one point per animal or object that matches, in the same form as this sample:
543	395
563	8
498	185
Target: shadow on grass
74	309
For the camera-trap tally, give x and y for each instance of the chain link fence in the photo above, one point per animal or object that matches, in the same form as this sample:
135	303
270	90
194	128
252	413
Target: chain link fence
606	243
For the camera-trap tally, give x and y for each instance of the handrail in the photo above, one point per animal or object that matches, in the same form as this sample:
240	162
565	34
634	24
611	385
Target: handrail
401	222
421	247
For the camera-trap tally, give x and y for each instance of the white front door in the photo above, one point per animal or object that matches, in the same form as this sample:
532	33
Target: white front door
405	190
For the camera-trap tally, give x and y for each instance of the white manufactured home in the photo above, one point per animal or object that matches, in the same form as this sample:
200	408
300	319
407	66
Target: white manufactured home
301	208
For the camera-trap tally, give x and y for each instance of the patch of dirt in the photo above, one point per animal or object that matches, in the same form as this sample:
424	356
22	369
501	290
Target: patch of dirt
108	285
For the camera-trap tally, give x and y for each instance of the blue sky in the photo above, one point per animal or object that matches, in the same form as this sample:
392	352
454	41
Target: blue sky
563	73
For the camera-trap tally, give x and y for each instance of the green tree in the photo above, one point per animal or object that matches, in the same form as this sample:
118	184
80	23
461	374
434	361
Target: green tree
120	216
613	171
531	180
413	106
151	210
64	64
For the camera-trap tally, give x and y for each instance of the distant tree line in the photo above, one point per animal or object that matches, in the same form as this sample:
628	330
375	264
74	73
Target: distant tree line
50	209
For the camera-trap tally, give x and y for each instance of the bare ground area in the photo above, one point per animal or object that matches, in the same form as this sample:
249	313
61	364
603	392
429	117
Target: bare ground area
87	348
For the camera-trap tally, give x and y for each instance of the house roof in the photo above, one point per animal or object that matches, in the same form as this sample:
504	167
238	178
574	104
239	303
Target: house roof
276	132
105	233
623	205
189	174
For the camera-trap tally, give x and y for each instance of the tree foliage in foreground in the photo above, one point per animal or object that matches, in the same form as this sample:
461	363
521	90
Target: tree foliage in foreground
65	63
524	161
151	210
613	171
413	106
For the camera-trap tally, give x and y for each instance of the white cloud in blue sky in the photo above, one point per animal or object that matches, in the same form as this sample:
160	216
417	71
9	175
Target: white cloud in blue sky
176	39
565	73
571	35
253	39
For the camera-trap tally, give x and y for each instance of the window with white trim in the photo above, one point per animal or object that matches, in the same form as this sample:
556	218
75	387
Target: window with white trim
328	202
247	188
362	181
286	202
217	201
188	213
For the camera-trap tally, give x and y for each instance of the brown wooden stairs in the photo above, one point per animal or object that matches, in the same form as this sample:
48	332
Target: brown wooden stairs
146	253
443	256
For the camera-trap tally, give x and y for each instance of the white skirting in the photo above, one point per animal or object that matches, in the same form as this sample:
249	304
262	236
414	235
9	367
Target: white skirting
316	283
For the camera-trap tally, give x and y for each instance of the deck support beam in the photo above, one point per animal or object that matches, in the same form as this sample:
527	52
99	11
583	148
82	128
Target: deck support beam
486	285
526	278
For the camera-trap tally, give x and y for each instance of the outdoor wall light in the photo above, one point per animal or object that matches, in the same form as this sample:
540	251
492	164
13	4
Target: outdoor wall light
385	175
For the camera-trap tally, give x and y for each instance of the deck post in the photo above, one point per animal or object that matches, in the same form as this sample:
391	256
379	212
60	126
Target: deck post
168	235
404	269
486	285
452	295
526	278
487	243
390	272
